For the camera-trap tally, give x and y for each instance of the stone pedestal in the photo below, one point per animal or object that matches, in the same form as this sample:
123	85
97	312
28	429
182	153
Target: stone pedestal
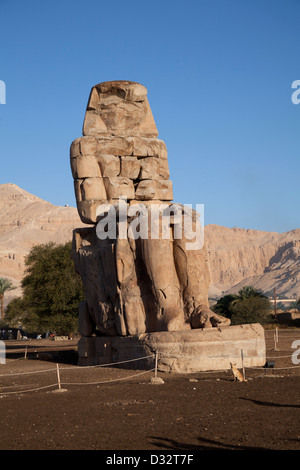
179	351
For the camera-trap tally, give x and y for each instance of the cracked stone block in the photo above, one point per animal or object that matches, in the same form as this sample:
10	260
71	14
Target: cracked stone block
154	189
75	148
109	164
130	167
114	145
119	187
88	210
154	168
90	188
88	145
85	167
144	147
149	166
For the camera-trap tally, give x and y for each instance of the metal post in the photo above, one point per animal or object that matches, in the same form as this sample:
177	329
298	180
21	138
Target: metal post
58	377
275	339
275	307
156	363
242	356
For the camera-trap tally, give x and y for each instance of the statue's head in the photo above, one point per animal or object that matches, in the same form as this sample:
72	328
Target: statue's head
119	108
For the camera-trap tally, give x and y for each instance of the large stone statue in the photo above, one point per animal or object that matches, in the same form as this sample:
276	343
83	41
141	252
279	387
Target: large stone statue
142	259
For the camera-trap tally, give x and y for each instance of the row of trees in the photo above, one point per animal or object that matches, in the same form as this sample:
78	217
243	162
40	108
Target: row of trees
52	291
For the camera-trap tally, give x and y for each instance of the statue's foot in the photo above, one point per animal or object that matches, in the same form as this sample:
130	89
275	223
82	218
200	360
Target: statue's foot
203	317
172	319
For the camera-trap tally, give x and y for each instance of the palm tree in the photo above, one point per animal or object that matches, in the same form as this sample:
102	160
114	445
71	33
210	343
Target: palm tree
248	291
5	284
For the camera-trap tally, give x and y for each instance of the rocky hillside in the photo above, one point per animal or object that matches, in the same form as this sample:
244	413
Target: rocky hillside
264	260
237	257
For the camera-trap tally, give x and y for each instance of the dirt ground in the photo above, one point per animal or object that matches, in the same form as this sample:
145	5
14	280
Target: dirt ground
107	408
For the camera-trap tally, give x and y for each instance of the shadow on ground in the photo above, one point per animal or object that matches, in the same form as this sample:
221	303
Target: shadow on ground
204	444
266	403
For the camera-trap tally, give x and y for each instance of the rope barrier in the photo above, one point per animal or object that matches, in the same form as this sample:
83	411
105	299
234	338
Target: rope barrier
29	390
160	354
77	367
109	364
27	373
74	368
109	381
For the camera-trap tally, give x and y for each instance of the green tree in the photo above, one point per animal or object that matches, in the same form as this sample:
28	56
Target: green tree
223	305
52	291
248	292
5	285
253	309
15	313
249	306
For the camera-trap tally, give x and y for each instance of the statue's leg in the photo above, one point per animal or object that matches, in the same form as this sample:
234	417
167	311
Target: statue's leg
158	258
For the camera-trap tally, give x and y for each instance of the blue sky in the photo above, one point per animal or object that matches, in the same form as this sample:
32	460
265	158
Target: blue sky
218	74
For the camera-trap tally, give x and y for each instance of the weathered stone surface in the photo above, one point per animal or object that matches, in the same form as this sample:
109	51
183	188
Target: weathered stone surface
130	167
203	317
148	168
87	209
146	189
75	148
143	147
89	189
164	190
88	145
154	168
86	326
161	190
109	164
103	145
159	284
93	124
119	187
180	351
132	155
119	107
85	167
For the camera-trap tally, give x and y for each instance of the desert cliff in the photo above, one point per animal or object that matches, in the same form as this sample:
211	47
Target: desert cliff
265	260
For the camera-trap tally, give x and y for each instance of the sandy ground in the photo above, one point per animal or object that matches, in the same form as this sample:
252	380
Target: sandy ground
107	408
